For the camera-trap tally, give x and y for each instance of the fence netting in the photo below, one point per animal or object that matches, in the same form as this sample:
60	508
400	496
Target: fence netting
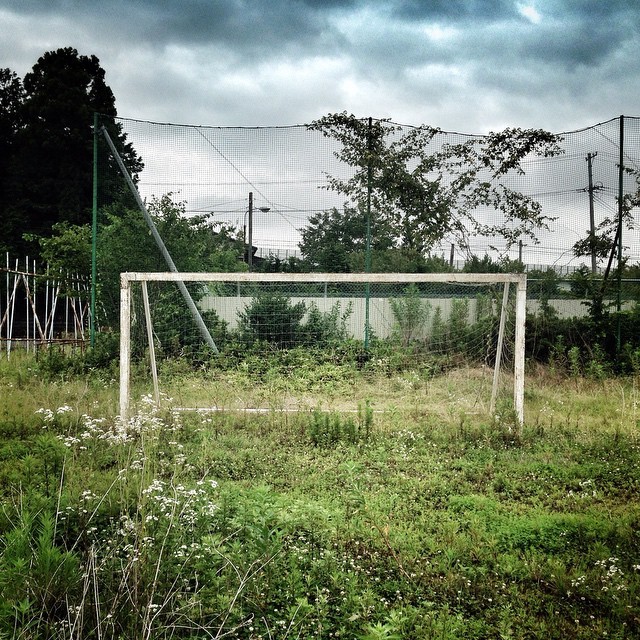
212	171
257	190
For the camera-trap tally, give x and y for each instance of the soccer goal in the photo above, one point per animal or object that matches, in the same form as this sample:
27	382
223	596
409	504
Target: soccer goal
402	326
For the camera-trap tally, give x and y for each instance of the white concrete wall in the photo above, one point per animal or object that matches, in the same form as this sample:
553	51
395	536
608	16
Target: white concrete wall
381	316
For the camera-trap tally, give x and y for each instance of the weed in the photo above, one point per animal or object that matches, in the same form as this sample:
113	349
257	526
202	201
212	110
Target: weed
330	429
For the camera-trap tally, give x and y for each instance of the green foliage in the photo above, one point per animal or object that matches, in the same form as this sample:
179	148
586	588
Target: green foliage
105	352
435	522
68	250
420	195
50	115
452	333
543	285
38	577
410	314
272	318
332	239
274	264
397	260
592	337
327	430
125	244
322	329
486	264
380	631
583	283
577	362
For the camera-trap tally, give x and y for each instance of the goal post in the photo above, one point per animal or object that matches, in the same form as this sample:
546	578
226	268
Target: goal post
414	310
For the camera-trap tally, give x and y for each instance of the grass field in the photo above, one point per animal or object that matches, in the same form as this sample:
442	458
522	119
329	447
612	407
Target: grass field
411	515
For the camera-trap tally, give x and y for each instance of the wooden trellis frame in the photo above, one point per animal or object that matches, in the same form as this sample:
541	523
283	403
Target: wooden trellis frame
34	310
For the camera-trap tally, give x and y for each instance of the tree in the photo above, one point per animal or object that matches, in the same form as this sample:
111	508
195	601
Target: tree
422	191
331	237
273	319
195	244
602	242
11	96
49	168
125	244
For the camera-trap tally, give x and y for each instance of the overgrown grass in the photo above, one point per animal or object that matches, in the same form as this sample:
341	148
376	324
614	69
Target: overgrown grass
418	517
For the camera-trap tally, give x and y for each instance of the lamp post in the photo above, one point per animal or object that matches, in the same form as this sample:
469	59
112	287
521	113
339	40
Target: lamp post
250	212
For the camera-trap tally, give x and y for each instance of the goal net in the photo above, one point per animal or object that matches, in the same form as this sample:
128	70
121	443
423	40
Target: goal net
260	341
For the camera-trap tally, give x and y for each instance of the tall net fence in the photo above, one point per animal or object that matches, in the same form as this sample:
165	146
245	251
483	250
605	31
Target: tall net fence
212	170
257	192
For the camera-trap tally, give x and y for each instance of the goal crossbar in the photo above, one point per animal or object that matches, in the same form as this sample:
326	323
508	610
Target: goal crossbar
401	278
517	279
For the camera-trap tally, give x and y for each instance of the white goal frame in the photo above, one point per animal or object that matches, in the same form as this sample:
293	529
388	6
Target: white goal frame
518	279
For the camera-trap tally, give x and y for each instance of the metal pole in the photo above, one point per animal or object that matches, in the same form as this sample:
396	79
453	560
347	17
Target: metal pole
152	346
518	365
25	279
367	257
94	234
620	219
8	336
592	221
125	347
250	248
496	369
204	332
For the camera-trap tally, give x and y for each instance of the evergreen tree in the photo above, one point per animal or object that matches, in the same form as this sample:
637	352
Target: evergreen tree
48	120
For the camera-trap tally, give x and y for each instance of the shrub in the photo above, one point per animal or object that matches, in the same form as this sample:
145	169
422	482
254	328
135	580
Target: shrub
271	318
410	314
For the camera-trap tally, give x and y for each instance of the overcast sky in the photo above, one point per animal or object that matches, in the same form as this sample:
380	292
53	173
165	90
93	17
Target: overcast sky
462	65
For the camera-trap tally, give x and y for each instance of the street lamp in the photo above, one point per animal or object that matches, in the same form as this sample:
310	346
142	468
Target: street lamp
250	212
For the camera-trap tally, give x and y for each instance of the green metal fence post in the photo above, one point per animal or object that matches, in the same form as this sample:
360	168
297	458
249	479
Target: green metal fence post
620	218
94	234
367	255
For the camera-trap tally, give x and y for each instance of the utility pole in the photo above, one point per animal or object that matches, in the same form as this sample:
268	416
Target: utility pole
592	223
250	214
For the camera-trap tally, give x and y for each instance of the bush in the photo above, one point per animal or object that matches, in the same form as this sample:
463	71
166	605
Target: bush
326	328
410	314
271	318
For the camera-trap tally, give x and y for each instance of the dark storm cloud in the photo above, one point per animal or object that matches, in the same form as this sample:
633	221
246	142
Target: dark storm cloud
455	10
288	61
571	32
236	22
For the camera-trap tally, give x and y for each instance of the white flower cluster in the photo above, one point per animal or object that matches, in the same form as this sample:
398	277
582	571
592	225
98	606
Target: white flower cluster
177	501
405	442
146	421
49	416
613	579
